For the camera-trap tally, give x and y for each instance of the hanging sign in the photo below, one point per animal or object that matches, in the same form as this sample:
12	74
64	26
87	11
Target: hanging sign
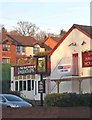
43	65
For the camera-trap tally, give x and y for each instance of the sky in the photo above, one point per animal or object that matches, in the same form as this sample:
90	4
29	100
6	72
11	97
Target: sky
49	15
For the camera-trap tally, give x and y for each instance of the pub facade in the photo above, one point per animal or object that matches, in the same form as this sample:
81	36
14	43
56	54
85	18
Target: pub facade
70	67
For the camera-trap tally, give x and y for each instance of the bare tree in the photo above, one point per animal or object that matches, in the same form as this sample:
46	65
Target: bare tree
41	35
26	28
14	32
62	32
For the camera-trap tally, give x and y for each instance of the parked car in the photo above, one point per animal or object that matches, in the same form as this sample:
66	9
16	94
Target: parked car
13	101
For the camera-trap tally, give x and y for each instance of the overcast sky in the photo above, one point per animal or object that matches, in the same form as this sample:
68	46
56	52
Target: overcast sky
48	15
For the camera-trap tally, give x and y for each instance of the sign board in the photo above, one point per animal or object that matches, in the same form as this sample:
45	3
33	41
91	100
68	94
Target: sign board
40	87
43	65
87	59
64	68
24	70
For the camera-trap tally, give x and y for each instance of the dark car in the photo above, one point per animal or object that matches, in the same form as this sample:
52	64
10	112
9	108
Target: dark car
13	101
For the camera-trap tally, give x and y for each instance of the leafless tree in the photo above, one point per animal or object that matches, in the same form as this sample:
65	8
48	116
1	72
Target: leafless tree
62	32
41	35
26	28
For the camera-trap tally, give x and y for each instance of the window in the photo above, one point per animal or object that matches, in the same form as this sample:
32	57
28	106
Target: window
6	60
18	49
16	86
24	85
20	85
23	49
36	48
35	87
32	84
12	98
29	85
6	47
2	99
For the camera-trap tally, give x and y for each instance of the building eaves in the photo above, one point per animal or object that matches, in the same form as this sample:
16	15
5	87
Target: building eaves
87	30
23	40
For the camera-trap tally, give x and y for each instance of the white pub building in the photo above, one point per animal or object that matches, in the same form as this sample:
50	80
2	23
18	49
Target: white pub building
71	67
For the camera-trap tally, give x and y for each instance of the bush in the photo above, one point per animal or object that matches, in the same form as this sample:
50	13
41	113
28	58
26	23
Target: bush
68	100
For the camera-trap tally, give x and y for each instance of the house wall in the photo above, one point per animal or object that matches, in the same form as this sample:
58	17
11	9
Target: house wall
13	54
42	49
10	54
29	51
0	52
65	51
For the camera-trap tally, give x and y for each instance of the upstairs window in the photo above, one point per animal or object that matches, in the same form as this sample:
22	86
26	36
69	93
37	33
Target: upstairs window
6	47
18	49
36	49
23	49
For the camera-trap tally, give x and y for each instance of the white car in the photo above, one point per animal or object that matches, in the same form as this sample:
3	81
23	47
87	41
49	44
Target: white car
13	101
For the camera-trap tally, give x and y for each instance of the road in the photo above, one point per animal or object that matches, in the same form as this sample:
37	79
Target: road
46	112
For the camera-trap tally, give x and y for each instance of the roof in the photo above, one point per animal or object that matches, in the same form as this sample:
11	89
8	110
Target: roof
46	47
51	41
57	39
22	40
87	30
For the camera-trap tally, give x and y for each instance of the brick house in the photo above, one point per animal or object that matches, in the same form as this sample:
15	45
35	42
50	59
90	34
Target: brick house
16	47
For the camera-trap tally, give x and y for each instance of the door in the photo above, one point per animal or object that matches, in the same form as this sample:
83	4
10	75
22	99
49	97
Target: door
75	64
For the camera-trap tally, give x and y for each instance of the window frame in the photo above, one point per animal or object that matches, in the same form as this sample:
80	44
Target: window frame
36	48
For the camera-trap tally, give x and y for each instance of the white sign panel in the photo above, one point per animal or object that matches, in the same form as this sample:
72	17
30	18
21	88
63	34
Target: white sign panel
64	70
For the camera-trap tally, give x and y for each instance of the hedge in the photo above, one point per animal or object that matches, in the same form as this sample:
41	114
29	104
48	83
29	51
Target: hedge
68	99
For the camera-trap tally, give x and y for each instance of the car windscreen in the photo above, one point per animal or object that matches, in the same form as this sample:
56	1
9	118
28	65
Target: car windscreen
2	99
12	98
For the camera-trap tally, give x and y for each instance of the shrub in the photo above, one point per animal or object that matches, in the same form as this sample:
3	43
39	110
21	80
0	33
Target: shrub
68	99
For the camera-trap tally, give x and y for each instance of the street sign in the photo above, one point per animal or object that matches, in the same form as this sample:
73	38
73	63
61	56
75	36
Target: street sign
40	87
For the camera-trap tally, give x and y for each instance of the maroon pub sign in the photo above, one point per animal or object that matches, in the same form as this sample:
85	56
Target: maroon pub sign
24	70
87	59
43	65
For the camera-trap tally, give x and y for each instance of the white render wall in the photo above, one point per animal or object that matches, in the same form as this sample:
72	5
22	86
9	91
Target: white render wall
32	94
29	51
65	51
